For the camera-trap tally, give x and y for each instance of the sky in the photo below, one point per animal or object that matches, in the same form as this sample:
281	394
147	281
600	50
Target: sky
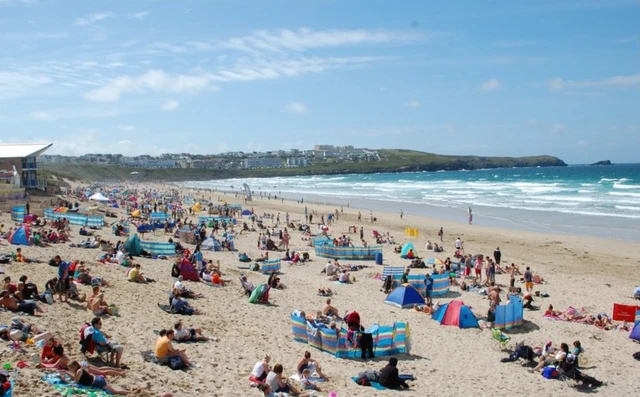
490	78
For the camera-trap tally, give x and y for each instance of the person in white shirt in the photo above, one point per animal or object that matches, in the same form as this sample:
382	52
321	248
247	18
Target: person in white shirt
121	258
344	277
458	243
330	269
261	369
179	286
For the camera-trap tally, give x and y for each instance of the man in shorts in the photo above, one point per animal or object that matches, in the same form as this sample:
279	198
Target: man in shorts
102	343
528	280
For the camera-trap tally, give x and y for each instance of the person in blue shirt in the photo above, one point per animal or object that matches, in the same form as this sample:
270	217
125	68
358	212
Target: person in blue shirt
428	283
102	343
63	279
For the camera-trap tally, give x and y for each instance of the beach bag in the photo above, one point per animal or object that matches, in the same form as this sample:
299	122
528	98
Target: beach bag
176	363
550	372
46	297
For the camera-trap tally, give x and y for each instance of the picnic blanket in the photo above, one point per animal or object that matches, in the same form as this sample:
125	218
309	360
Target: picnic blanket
72	388
378	386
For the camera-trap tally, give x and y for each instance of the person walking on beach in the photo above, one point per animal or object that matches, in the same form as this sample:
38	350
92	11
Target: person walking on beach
359	217
528	280
361	233
441	234
371	216
470	216
401	213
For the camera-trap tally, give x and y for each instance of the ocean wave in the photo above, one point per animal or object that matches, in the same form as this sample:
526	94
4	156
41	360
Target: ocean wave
627	207
629	194
603	180
622	186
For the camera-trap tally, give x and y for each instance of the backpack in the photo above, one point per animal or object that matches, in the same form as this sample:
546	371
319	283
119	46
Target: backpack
176	363
550	372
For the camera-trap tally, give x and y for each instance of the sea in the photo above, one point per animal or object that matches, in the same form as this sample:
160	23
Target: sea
600	201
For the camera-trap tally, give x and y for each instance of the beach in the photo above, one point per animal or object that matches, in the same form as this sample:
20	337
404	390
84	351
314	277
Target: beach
580	271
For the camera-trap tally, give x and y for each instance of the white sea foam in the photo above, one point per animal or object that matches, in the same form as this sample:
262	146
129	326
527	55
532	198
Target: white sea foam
623	186
629	194
628	207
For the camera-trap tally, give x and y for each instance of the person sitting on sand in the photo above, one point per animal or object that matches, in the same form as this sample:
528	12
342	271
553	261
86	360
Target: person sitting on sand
427	308
97	304
552	313
102	343
274	282
209	277
136	276
181	306
261	370
328	310
52	355
83	377
603	321
548	360
389	376
165	350
278	384
180	289
344	277
264	257
325	291
186	334
10	303
305	381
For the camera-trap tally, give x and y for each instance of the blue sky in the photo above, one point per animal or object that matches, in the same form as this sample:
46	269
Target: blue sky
473	77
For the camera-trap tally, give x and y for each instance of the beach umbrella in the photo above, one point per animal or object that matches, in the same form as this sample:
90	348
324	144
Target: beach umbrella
434	261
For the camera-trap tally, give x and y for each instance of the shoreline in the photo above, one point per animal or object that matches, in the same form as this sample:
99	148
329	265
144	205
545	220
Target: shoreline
490	217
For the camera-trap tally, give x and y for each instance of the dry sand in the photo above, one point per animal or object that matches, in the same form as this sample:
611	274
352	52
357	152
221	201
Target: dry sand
583	272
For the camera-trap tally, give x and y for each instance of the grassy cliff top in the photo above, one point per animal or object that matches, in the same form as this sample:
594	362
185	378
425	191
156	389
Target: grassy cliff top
392	160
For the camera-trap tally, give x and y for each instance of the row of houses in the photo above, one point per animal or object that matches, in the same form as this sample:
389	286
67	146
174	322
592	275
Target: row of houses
228	160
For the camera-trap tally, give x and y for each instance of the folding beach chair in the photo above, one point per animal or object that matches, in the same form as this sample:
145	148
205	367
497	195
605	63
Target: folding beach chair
500	337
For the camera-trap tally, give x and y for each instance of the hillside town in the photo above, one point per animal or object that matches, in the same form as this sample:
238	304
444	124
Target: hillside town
229	160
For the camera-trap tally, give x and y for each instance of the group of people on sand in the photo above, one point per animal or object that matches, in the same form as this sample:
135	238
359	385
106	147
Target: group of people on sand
270	380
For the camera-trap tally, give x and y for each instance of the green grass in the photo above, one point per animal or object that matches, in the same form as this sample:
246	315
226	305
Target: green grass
392	160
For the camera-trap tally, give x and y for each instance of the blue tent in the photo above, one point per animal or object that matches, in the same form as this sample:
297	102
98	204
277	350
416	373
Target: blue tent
20	236
457	314
405	250
635	332
246	212
509	315
132	245
404	296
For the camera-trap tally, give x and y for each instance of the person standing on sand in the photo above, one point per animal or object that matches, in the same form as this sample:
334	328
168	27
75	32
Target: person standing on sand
359	217
361	233
401	213
497	255
528	280
470	216
441	234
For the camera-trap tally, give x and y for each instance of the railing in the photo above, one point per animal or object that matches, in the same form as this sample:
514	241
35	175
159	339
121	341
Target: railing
34	184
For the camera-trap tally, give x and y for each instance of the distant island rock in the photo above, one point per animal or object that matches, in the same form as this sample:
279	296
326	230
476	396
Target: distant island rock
603	162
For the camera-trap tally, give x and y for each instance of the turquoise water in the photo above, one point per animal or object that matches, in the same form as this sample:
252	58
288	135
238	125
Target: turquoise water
606	198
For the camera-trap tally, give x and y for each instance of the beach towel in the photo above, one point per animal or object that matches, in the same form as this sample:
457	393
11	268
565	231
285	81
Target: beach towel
624	313
314	378
378	386
73	388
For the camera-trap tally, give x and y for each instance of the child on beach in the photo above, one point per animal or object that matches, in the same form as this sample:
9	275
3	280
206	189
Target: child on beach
305	381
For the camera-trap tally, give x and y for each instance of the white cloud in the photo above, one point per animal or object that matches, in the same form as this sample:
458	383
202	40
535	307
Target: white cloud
42	116
296	108
93	18
557	128
138	15
491	85
533	122
153	80
126	128
414	104
628	81
170	105
304	39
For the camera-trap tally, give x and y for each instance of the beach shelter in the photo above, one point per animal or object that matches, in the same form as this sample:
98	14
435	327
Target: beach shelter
246	212
405	296
132	245
98	197
20	236
188	271
406	248
211	245
455	313
509	315
635	332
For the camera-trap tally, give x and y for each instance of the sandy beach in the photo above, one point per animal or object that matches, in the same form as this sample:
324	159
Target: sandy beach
582	272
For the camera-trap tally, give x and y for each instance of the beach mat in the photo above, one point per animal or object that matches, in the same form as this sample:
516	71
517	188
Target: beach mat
73	388
314	378
378	386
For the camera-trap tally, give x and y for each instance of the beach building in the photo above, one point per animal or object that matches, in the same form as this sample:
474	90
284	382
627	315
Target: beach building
18	165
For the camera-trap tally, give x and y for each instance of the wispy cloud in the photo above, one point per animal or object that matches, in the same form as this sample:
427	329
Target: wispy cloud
557	128
491	85
16	84
76	113
126	128
153	80
93	18
170	105
629	81
296	108
305	39
413	104
138	15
